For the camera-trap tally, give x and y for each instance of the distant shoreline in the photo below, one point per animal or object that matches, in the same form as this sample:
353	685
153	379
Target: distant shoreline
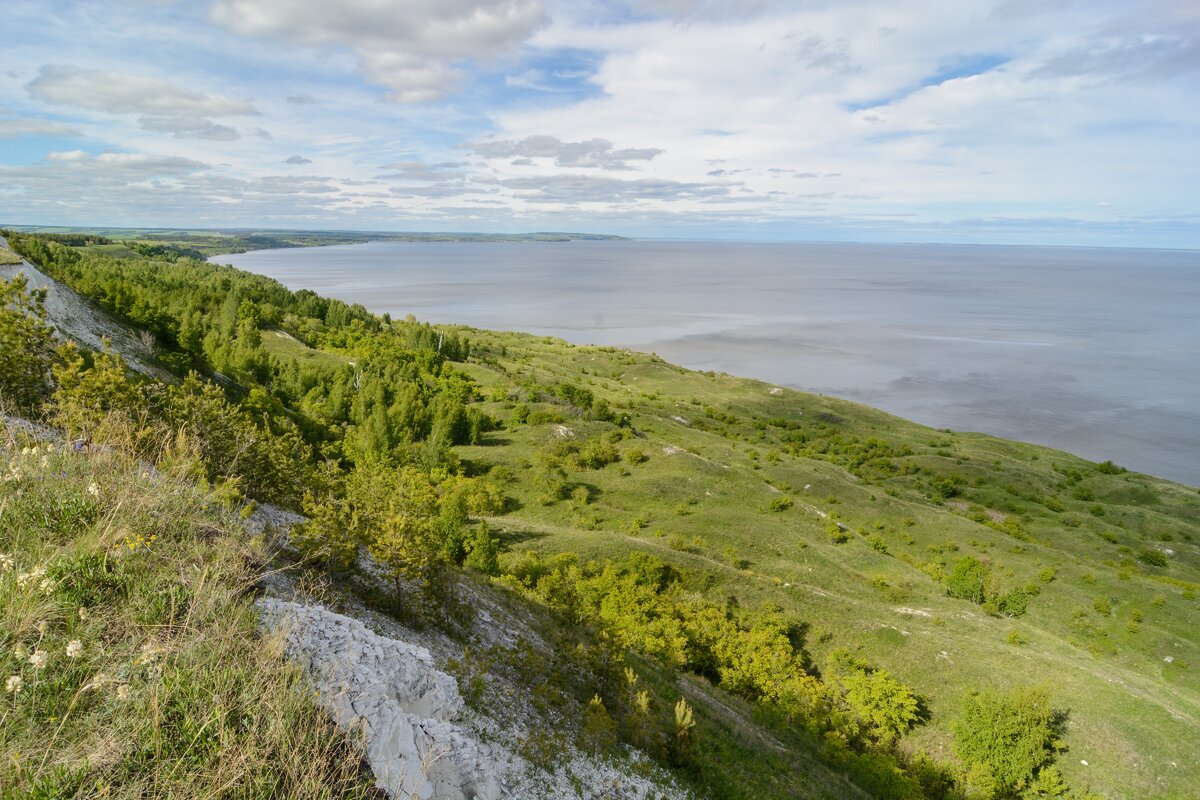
226	241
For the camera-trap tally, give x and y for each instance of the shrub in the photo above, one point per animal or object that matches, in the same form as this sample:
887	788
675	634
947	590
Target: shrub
780	503
1155	558
1014	603
968	580
1010	735
596	454
597	730
636	455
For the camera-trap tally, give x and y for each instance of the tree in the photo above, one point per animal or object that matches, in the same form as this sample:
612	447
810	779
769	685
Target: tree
884	706
400	513
1005	738
485	551
25	345
88	393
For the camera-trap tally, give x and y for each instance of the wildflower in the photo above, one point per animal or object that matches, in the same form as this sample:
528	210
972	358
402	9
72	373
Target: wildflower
26	578
74	648
123	691
43	626
47	585
6	563
39	659
50	448
21	652
26	451
99	679
83	614
45	462
149	654
93	489
13	684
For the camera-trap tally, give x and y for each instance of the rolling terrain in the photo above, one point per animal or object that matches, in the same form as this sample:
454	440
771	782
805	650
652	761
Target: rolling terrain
856	525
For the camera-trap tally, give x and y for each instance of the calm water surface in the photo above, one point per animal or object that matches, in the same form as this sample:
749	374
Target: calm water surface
1095	351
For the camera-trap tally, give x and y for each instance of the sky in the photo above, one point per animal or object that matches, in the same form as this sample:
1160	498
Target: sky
1002	121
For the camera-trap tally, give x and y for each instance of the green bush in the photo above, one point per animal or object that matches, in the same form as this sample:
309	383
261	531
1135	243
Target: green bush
968	580
1007	736
780	503
1155	558
635	455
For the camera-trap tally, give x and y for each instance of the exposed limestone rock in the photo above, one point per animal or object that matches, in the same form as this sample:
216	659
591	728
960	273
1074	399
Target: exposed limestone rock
75	317
395	694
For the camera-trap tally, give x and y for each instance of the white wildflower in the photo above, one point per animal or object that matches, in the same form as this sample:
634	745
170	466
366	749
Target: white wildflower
98	680
13	684
39	659
26	451
45	462
74	648
93	489
123	691
149	654
50	448
26	578
83	613
6	563
21	652
47	585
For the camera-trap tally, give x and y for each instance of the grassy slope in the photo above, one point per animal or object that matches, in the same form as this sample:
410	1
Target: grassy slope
172	693
283	345
1132	690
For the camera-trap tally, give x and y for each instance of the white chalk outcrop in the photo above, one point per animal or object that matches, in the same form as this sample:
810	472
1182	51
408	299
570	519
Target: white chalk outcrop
393	693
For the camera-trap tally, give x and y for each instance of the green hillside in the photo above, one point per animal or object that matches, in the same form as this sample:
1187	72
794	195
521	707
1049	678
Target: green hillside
826	585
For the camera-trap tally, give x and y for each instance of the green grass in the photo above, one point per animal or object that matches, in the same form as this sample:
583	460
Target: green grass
702	501
8	257
129	649
284	345
110	250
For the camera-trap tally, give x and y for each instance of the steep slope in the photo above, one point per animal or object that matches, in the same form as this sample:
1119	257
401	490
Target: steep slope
952	561
77	318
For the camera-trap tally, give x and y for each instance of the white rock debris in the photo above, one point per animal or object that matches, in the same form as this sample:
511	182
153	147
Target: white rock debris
395	694
419	741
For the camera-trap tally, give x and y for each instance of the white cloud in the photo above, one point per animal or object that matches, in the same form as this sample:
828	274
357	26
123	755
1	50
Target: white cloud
123	92
572	189
189	128
590	153
409	46
14	128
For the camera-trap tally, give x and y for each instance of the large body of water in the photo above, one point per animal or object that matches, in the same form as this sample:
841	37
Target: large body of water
1095	351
